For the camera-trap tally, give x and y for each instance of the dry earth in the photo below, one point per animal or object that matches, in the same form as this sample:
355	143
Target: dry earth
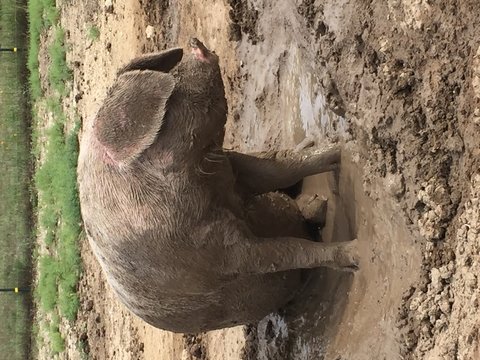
398	82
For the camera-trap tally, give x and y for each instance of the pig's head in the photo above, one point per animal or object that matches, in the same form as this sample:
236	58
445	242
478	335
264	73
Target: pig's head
163	103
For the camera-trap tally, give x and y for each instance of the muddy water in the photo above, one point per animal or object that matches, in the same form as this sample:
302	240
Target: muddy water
281	97
339	315
388	260
304	97
359	311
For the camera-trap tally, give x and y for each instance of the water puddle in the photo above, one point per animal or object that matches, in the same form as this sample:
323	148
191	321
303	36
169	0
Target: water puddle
283	102
303	92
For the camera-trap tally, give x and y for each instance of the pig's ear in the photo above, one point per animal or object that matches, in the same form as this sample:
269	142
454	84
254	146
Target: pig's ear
163	61
132	114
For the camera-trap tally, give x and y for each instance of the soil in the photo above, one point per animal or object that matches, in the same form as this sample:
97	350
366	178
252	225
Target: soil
398	84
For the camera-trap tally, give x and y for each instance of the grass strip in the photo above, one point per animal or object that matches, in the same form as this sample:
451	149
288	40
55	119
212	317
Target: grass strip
56	152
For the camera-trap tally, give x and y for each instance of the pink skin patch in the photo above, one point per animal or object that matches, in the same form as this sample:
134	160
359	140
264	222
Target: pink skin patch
200	51
199	55
108	157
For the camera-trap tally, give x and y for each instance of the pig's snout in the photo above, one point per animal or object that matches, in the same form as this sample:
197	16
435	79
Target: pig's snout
201	52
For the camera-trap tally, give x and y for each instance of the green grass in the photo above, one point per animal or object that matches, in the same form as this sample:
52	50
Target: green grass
47	283
59	216
15	210
82	348
93	32
41	15
58	72
58	207
51	190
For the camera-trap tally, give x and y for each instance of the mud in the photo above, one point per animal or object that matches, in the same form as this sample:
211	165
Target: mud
399	84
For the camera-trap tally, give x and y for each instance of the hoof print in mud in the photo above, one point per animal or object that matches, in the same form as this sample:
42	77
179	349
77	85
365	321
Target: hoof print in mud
166	206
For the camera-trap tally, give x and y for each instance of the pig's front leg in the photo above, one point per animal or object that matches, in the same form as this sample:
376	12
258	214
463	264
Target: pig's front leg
260	173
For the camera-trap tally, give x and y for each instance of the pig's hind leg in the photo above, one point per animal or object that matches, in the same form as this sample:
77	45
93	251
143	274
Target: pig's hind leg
269	255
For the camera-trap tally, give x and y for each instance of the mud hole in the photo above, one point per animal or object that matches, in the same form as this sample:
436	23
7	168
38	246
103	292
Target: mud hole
399	84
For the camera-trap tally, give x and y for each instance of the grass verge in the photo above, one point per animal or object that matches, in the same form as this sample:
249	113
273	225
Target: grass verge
55	150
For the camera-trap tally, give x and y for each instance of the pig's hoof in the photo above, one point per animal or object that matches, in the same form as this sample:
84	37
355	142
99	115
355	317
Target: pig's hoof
350	268
347	258
306	143
313	208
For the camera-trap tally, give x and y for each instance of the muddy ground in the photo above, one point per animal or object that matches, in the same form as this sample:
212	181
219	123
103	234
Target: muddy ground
398	83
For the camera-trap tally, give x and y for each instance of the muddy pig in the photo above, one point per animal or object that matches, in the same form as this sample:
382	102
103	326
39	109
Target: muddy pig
176	221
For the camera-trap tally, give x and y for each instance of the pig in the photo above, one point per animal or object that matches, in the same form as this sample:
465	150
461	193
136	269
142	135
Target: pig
192	237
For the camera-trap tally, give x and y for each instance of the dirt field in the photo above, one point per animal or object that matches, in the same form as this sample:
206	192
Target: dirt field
398	83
